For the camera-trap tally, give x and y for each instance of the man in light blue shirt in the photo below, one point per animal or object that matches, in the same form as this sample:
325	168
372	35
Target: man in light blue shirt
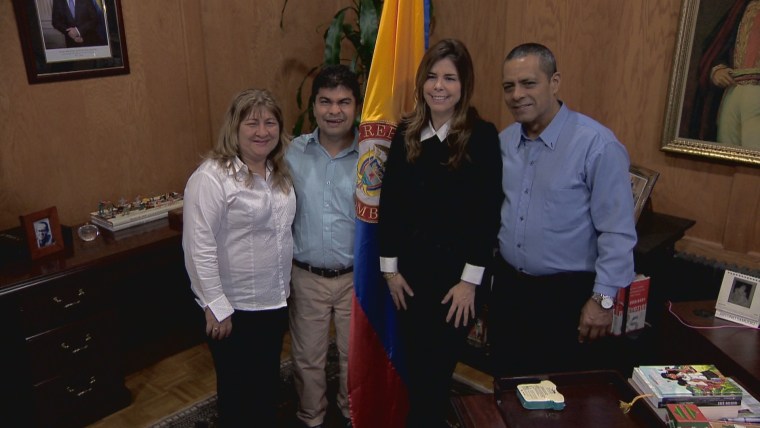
567	225
323	166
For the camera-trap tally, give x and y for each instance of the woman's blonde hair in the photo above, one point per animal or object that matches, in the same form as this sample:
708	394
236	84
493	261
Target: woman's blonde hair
464	116
246	103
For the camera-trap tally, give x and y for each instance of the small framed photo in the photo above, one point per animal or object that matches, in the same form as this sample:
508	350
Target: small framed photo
43	232
642	183
738	299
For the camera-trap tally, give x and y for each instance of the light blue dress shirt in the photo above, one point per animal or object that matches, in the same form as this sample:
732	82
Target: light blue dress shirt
323	230
568	204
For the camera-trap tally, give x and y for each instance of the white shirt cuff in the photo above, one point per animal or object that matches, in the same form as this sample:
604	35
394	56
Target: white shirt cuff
221	308
388	264
473	274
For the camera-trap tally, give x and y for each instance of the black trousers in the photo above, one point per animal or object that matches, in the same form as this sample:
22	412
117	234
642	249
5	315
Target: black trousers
432	346
533	323
247	367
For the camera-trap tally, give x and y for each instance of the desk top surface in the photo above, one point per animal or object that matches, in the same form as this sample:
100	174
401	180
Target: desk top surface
81	255
739	343
592	399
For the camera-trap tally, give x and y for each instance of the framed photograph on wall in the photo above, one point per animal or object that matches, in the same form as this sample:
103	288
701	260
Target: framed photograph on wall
43	232
704	113
739	299
642	182
66	40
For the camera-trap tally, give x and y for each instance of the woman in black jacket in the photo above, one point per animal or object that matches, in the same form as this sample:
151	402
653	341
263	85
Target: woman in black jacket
439	216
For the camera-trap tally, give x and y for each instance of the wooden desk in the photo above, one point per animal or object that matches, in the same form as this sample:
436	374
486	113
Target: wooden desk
735	349
477	411
657	236
591	398
76	322
653	255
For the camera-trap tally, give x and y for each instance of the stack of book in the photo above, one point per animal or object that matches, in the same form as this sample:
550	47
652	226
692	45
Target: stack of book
717	396
691	416
630	311
133	214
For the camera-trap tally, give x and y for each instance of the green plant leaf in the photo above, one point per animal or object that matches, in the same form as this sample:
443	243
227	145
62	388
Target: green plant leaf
369	19
299	92
333	38
299	124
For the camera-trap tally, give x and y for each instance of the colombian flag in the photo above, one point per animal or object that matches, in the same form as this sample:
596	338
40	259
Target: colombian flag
376	372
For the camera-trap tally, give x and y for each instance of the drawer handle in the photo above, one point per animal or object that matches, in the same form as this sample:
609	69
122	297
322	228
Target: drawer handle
58	300
82	392
85	345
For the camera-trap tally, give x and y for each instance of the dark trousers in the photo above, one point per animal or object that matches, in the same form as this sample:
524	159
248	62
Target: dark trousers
432	345
533	323
432	349
247	367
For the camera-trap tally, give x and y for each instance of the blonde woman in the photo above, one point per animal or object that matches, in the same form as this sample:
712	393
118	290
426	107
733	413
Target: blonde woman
238	209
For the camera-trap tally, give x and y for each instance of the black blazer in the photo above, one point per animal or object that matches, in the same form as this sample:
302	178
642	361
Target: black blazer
437	219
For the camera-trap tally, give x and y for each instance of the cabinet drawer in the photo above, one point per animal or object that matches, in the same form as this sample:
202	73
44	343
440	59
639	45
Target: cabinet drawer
77	400
60	302
91	342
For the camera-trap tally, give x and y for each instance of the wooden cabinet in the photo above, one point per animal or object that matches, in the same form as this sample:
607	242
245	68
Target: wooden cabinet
75	324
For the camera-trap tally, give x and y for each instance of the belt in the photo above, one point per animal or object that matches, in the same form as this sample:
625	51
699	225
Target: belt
561	277
327	273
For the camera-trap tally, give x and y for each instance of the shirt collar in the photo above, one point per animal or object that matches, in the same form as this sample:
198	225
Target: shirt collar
550	135
239	167
313	138
442	133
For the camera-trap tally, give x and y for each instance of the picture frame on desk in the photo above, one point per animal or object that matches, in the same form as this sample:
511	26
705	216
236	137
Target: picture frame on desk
43	232
51	54
739	299
642	183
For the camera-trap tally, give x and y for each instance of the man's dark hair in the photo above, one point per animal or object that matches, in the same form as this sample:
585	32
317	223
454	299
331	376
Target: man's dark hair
332	76
546	60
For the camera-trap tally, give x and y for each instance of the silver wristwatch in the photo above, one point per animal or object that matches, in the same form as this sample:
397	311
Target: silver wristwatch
605	301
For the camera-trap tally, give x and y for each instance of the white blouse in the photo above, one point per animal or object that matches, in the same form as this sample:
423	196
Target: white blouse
237	239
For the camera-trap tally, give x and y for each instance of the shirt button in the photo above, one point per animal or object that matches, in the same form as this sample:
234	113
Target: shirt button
519	245
526	191
532	163
522	218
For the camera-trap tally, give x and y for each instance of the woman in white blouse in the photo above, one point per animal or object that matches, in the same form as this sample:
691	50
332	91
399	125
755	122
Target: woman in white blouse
238	210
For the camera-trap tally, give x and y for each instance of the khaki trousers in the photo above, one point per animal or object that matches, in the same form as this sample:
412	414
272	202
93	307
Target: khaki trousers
316	300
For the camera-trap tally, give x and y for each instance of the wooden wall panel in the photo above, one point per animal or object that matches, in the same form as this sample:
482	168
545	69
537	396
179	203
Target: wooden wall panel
486	49
70	144
245	47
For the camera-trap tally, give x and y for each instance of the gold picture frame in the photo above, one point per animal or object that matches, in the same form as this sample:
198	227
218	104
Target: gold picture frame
693	100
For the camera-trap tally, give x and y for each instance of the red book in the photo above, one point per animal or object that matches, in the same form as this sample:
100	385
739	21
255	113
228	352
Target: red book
630	311
686	415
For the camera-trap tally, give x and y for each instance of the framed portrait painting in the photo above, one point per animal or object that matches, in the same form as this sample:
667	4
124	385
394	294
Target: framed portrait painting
71	39
714	92
43	232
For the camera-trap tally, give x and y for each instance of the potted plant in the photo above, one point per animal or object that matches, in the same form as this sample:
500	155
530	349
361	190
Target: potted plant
358	24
